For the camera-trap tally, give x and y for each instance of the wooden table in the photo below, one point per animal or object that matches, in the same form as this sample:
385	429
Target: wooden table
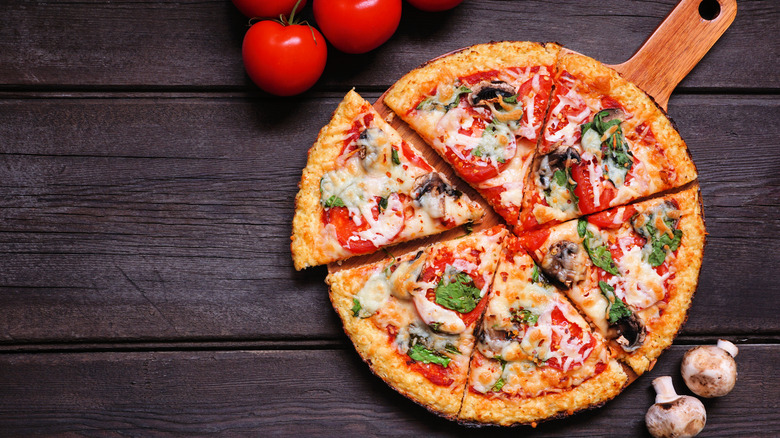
146	196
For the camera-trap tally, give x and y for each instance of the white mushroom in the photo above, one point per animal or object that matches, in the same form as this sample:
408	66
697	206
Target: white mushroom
673	415
709	370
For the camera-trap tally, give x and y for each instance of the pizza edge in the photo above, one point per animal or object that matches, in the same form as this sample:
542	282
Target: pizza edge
413	86
508	411
662	331
307	246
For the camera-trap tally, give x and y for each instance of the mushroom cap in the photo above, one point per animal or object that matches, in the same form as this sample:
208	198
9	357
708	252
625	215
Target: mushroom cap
709	371
683	417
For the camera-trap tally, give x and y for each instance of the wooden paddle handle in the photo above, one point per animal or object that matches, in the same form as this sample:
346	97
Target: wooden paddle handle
676	46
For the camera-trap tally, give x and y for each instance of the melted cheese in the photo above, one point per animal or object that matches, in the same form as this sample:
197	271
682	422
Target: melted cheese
641	286
374	294
431	313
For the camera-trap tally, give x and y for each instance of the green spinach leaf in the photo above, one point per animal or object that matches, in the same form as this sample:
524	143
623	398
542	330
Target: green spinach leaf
419	353
460	295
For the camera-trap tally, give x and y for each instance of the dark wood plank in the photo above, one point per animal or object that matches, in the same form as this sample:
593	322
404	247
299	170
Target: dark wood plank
157	219
312	393
198	43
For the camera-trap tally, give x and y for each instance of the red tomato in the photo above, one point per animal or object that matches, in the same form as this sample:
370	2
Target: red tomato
354	26
268	8
584	190
346	229
284	60
534	240
606	219
434	5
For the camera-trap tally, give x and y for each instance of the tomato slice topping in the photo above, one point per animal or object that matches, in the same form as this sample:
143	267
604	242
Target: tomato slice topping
413	158
347	231
609	220
437	374
584	190
534	240
472	168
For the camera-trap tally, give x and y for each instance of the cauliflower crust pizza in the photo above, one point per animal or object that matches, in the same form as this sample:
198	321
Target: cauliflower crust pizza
555	311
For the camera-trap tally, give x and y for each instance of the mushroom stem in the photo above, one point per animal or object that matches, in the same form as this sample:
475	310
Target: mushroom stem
728	346
664	390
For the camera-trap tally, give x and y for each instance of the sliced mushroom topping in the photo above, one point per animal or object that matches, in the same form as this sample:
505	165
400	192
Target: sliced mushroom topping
612	114
559	158
434	184
490	91
628	332
405	275
565	262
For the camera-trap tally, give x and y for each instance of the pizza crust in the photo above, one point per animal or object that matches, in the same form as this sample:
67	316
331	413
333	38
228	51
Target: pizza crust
507	410
662	331
307	229
405	94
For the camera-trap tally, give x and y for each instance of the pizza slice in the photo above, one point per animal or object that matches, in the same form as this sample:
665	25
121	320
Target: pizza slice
364	188
482	109
605	144
535	356
412	318
631	270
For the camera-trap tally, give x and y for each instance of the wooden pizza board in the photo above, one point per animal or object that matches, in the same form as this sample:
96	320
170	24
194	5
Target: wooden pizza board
664	59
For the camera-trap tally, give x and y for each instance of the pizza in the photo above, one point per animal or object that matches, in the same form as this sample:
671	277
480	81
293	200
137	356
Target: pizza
580	289
605	143
631	270
535	355
364	187
482	110
412	318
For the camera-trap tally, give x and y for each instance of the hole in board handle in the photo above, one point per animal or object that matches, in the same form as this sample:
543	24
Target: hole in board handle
709	9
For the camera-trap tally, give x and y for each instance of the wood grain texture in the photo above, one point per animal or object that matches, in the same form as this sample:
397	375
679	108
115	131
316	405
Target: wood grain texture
162	218
197	44
676	47
311	393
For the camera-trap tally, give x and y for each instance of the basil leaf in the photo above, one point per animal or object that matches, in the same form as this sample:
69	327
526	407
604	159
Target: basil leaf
468	227
394	154
460	295
382	204
356	307
477	152
421	354
334	201
452	349
535	274
511	99
435	326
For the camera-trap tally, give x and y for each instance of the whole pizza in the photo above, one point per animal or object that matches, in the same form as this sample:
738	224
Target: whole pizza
571	287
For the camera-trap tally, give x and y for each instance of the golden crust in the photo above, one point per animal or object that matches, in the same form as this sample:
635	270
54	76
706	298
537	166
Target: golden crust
375	344
307	226
375	348
405	94
662	331
507	410
312	242
608	82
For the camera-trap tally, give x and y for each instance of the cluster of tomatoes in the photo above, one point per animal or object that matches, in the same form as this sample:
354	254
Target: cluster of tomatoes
284	57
